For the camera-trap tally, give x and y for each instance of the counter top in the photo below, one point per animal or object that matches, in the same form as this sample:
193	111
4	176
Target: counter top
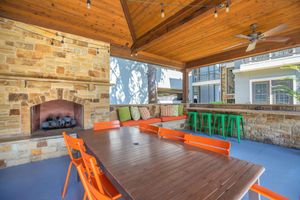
271	112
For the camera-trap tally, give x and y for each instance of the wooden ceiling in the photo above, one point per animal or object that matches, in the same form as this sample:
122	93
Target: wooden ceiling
187	37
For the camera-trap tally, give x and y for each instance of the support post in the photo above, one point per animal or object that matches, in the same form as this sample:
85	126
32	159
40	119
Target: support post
152	85
185	86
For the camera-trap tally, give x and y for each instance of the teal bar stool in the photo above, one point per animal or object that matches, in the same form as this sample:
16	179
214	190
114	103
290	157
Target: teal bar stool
192	120
219	124
235	122
205	122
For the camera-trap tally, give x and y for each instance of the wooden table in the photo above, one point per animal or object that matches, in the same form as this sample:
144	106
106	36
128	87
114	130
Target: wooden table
143	166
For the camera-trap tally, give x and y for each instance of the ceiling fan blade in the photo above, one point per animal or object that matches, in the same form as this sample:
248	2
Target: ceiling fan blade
243	36
274	30
236	45
251	46
275	39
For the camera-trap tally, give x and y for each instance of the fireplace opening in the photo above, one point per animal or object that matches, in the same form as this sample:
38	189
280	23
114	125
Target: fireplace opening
55	116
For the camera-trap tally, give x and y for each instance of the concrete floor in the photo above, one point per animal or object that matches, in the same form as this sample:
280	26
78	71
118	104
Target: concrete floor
43	180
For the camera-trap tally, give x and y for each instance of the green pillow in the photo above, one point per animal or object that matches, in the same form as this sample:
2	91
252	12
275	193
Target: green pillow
175	110
135	113
180	109
124	114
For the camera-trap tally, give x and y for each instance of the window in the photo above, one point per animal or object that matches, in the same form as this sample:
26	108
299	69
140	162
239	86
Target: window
272	92
261	93
281	96
209	93
209	73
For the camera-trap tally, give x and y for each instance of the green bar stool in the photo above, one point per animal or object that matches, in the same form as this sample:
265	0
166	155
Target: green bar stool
235	121
219	124
192	120
205	122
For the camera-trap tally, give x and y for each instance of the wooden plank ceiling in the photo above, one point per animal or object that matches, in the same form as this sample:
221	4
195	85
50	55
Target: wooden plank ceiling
188	36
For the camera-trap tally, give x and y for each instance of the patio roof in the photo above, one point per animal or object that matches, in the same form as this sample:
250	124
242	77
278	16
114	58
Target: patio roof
188	36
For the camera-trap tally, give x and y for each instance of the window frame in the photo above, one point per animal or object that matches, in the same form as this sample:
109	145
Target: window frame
294	85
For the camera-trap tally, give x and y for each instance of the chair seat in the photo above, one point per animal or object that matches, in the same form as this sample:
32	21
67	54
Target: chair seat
136	123
109	188
173	118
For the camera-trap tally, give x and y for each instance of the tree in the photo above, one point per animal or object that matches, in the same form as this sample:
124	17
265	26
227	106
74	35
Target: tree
286	89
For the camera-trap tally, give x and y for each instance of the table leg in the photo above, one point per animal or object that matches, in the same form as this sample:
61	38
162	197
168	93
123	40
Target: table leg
254	195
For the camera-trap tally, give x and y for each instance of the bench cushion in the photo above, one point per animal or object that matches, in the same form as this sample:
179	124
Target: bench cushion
173	118
136	123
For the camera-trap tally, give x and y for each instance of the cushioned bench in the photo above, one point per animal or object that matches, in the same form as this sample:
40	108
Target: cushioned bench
136	123
173	118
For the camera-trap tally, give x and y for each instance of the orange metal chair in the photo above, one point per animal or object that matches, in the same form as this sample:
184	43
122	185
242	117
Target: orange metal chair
97	178
149	128
171	134
106	125
267	193
72	144
218	146
90	190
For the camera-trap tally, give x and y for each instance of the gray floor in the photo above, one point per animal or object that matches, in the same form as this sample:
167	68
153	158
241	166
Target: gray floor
43	180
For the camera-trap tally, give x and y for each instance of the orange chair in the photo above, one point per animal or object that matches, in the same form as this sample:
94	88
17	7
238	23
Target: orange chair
72	144
91	191
148	128
267	193
106	125
218	146
97	178
171	134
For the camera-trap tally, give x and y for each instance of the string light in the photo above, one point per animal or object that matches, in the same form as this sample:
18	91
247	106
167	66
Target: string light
227	7
62	39
162	11
216	13
53	40
88	4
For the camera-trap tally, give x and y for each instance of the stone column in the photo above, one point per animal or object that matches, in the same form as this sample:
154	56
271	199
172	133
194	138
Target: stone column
152	85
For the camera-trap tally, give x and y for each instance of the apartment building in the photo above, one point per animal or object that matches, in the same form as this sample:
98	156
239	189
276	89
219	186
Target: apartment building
249	80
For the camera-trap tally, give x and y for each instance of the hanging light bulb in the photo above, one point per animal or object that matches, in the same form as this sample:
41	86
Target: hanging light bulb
52	41
62	39
136	54
88	4
97	52
216	13
227	7
162	11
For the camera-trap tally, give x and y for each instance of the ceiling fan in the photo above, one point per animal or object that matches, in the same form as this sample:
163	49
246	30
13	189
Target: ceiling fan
255	36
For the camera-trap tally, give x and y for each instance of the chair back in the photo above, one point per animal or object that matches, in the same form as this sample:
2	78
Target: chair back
73	144
91	191
148	128
92	169
171	134
267	192
106	125
218	146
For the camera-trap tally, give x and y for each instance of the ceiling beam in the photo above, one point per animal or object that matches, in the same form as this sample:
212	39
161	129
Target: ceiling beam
128	19
183	16
125	52
261	48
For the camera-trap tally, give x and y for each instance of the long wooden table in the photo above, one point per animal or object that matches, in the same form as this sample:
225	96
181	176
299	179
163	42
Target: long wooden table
144	166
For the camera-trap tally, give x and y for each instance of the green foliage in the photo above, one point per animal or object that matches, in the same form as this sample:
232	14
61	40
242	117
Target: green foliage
217	102
285	88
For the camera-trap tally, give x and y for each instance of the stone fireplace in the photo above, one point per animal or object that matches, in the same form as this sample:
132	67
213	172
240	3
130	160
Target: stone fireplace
40	79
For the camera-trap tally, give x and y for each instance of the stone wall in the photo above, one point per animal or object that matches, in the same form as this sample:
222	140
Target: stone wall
29	150
283	130
35	69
